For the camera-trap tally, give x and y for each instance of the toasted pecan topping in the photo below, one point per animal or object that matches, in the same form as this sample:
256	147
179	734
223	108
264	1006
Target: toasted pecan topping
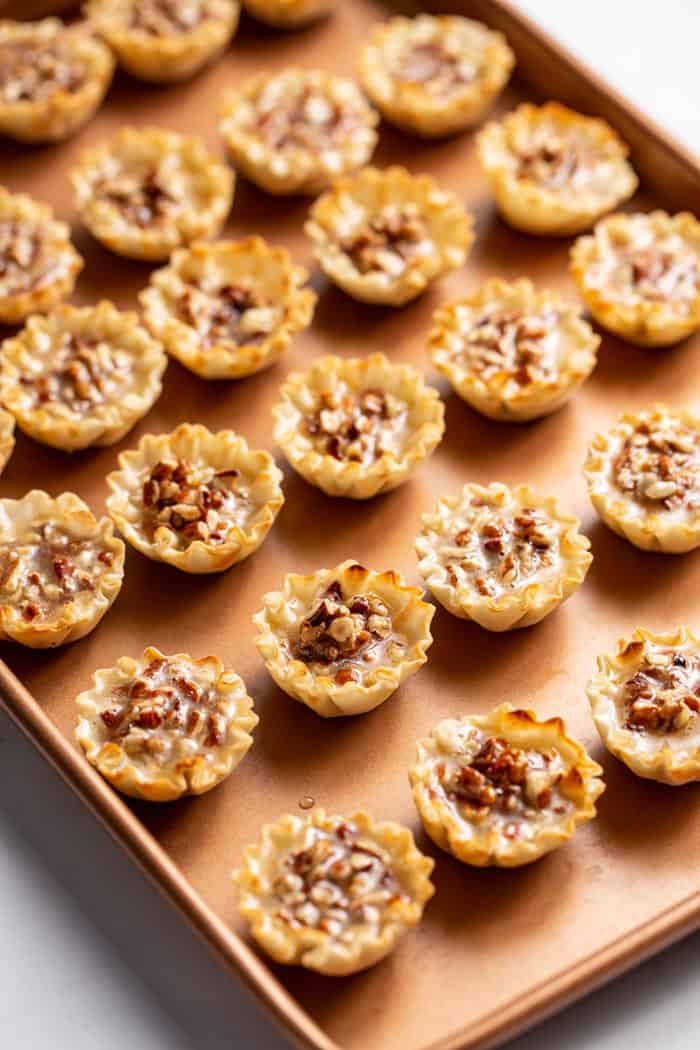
641	263
555	158
81	372
436	68
658	463
167	17
23	266
358	427
143	197
227	314
663	695
501	342
194	503
34	71
304	117
388	240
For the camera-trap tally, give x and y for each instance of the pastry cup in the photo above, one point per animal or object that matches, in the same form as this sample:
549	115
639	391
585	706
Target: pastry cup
48	614
59	113
197	188
331	691
399	68
605	268
394	878
288	14
508	596
7	437
420	423
569	198
512	352
647	521
38	262
357	205
255	124
528	831
668	753
273	283
160	747
255	482
33	358
167	56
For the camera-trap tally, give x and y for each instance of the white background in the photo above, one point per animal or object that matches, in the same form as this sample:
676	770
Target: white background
92	959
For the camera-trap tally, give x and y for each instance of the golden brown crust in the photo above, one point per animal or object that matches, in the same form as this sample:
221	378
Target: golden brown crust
45	104
434	75
228	309
344	683
160	727
353	934
502	557
512	352
288	14
504	788
639	276
402	426
7	437
146	192
554	171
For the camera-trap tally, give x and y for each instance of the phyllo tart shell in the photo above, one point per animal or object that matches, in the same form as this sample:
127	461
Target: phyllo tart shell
7	437
384	235
639	275
297	130
60	569
147	191
54	78
645	701
81	376
38	263
554	171
502	557
160	727
503	788
194	499
164	42
356	427
228	309
288	14
434	75
331	893
644	479
342	640
513	352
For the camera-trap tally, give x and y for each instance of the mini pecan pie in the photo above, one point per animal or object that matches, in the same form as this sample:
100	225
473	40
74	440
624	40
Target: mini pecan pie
288	14
160	727
502	557
297	130
644	479
60	569
38	263
226	310
384	236
52	78
503	788
333	894
640	276
343	640
196	500
554	171
435	74
147	192
512	352
164	40
645	700
81	376
356	427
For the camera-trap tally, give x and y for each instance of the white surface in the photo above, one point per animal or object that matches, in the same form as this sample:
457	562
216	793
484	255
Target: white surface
92	959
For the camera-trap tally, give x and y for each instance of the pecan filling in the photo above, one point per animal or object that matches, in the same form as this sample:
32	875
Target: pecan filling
389	241
80	373
302	118
555	161
501	549
358	427
167	17
227	314
23	262
194	503
658	465
667	271
34	72
47	568
663	696
504	783
509	344
165	714
144	198
337	881
347	633
438	70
